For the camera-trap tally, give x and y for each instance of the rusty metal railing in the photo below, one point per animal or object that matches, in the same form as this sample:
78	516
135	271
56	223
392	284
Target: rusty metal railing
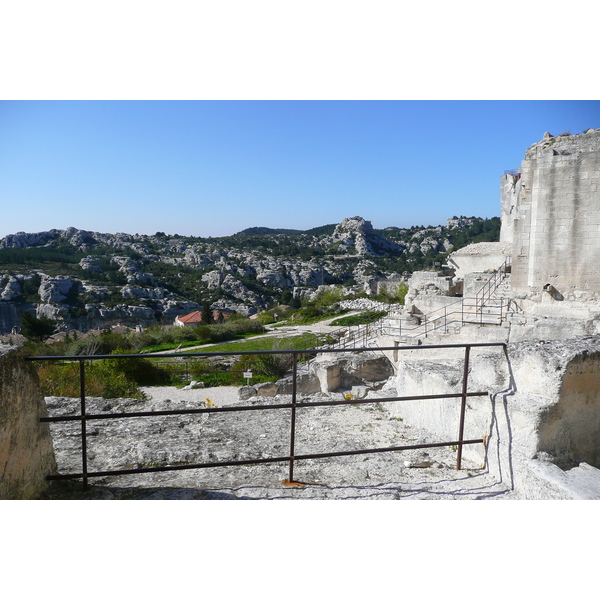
84	417
486	293
464	311
482	309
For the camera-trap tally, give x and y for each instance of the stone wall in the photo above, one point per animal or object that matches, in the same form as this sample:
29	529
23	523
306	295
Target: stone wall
329	373
423	285
541	418
478	258
510	192
26	451
385	286
551	216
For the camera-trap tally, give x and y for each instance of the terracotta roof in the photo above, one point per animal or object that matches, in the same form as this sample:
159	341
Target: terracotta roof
194	317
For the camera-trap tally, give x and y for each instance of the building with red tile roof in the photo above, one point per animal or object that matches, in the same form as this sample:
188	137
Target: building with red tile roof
194	319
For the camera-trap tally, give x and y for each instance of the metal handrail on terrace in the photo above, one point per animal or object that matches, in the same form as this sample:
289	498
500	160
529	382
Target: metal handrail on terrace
346	337
486	292
463	311
292	406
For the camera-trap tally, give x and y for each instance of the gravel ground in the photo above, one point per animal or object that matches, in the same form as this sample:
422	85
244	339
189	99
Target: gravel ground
201	438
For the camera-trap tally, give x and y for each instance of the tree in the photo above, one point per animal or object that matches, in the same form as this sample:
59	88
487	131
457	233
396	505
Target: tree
37	329
207	314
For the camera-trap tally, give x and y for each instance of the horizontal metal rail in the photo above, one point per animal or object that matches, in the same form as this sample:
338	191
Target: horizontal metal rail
194	411
256	461
79	357
293	406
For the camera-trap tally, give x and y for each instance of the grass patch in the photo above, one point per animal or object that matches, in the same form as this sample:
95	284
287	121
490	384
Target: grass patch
191	343
363	318
121	377
171	346
311	320
298	342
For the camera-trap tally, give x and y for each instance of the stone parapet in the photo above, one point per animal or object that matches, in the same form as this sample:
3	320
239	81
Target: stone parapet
26	451
541	419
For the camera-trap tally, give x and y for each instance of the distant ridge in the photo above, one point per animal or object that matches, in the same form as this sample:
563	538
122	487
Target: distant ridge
322	230
267	231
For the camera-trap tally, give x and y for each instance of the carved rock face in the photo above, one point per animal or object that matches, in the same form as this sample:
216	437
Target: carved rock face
358	233
354	225
12	290
55	289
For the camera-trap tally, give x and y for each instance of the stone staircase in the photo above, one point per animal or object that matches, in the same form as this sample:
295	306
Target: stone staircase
490	307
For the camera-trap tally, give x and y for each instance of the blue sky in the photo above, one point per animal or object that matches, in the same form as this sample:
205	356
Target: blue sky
213	168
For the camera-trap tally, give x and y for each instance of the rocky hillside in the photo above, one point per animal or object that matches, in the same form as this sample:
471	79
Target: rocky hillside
84	279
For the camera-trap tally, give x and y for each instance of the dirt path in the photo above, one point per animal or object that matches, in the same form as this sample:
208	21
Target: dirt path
322	327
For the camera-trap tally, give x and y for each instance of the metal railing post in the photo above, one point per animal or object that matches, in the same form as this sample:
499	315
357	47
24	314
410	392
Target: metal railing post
293	420
463	406
83	423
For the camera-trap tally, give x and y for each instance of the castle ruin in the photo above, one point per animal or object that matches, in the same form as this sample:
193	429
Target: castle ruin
551	217
545	266
538	290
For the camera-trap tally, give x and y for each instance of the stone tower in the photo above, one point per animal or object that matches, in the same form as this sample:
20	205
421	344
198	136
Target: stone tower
551	216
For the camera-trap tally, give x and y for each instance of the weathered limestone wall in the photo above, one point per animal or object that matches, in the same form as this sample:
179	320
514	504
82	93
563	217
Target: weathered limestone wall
387	286
474	282
545	318
430	290
510	192
434	305
478	258
26	451
552	215
329	373
541	418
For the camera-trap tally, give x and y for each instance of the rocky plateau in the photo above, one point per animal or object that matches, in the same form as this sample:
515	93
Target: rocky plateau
84	280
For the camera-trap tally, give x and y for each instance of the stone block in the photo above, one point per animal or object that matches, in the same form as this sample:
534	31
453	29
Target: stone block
344	371
26	450
544	401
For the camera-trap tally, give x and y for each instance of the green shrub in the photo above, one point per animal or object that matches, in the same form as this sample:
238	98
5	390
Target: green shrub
218	379
221	332
270	366
112	380
265	319
103	378
185	334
